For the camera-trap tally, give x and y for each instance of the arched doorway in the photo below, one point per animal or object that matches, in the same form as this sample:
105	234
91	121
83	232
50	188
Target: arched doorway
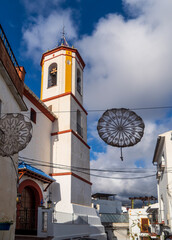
27	210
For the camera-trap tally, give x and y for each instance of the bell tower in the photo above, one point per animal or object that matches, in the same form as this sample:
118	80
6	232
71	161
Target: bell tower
62	92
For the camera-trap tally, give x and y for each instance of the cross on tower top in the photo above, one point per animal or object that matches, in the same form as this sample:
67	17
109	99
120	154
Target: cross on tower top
63	41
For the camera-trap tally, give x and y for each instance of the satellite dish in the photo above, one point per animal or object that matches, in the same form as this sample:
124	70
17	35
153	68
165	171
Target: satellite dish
120	128
15	133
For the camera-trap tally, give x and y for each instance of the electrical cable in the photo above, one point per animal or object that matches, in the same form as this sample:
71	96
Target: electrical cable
90	169
94	175
103	110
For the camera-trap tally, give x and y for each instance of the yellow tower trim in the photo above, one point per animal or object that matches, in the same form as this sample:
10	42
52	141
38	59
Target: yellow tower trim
42	76
68	73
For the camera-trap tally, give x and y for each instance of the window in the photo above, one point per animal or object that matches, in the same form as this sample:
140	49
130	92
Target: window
52	75
32	115
79	124
144	225
78	81
0	107
162	209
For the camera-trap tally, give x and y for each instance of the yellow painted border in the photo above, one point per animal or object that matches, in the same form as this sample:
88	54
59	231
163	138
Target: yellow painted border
68	73
42	76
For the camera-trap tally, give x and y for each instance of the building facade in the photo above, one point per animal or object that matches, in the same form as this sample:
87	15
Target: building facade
55	165
138	224
11	93
162	159
52	187
116	222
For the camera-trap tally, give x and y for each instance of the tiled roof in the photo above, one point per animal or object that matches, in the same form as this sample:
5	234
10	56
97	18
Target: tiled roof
114	218
24	166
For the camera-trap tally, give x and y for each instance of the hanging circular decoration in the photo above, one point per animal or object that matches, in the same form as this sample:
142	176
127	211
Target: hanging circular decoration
16	133
120	128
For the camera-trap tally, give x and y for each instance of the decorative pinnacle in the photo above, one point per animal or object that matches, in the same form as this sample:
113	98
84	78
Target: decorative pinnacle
63	41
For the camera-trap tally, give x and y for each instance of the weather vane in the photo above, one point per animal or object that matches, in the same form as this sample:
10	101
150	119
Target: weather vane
120	128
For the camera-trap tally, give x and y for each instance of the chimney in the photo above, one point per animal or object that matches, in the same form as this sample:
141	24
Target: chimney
21	72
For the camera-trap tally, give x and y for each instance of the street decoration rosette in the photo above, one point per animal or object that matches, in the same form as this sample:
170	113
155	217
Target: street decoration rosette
120	128
16	133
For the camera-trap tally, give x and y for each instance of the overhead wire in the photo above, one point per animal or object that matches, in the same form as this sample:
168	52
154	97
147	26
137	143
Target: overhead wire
81	170
130	170
101	110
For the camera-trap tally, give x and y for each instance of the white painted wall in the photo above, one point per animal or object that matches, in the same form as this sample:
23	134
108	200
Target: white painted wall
61	107
39	147
120	231
58	58
9	104
80	192
8	178
135	216
164	182
108	206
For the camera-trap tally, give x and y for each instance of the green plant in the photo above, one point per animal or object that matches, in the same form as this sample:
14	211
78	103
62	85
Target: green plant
6	220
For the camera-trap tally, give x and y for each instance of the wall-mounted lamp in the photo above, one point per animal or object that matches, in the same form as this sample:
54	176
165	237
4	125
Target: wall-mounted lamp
18	199
49	203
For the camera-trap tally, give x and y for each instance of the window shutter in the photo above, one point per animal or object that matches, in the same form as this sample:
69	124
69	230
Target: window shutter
144	225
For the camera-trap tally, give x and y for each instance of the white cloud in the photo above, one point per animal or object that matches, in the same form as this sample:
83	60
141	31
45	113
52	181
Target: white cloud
42	7
129	65
43	33
143	153
129	59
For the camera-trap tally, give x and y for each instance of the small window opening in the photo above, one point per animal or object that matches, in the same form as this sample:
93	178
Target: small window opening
52	75
79	81
79	124
0	107
33	115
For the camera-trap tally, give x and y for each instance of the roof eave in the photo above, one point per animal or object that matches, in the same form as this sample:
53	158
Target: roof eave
37	175
158	148
12	88
62	47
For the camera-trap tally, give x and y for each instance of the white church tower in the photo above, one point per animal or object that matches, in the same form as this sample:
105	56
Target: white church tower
62	92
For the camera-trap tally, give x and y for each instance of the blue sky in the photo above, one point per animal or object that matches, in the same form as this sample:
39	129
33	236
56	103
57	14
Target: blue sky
126	45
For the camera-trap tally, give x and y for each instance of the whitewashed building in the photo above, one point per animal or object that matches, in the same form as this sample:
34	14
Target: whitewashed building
54	175
116	222
155	228
162	159
138	224
11	92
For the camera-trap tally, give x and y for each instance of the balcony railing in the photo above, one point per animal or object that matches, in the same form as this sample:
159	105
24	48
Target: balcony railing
8	47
